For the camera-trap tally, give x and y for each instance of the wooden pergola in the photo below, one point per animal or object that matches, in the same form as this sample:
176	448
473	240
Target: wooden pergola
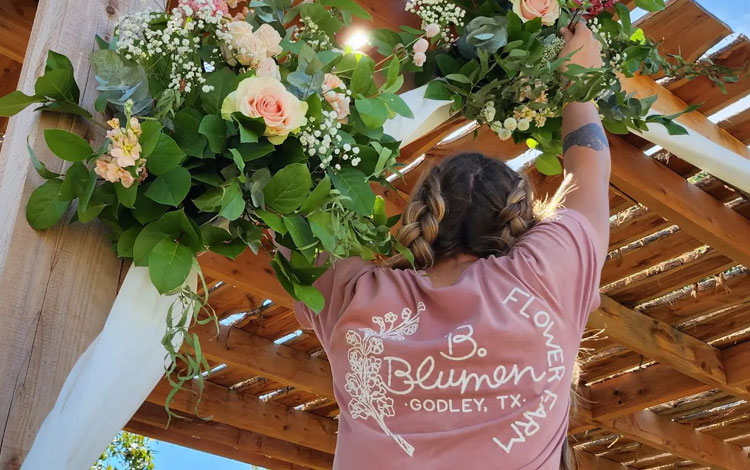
666	377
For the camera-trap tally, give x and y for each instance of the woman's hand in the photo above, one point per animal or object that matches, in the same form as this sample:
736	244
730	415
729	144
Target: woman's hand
586	50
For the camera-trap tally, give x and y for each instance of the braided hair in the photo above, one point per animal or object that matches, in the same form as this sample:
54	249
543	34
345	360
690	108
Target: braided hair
466	204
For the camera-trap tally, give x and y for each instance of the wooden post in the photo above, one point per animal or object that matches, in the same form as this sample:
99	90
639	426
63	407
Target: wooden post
56	286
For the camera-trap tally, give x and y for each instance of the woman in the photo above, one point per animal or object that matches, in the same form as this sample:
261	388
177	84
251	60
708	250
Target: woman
467	361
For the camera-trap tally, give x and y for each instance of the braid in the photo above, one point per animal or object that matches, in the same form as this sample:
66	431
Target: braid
517	217
420	222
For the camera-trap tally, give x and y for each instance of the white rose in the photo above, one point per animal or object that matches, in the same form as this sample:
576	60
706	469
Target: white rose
523	125
510	124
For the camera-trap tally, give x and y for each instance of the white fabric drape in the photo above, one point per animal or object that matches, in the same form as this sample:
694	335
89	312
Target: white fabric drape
110	381
428	114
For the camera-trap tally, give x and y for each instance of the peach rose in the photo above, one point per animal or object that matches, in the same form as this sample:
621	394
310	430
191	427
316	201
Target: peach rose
268	68
547	10
208	6
245	48
266	97
339	101
270	39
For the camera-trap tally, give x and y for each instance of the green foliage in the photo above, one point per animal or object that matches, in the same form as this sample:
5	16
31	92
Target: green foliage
127	451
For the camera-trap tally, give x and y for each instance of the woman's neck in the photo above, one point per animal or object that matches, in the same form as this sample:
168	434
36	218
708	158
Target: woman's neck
446	271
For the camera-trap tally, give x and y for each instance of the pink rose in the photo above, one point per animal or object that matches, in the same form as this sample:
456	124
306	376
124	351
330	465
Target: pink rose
268	68
266	97
419	59
547	10
270	39
208	6
432	30
421	45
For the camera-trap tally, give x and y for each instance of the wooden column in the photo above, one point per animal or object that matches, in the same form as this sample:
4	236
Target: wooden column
56	286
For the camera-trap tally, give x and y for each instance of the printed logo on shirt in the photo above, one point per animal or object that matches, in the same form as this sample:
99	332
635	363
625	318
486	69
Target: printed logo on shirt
443	372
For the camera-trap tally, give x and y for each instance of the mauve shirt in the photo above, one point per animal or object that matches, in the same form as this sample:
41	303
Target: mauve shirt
475	375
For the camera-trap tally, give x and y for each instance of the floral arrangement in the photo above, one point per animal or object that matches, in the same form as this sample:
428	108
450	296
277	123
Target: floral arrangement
228	120
498	61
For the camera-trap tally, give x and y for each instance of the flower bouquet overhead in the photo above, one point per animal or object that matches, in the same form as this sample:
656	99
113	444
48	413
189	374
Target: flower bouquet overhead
226	119
499	62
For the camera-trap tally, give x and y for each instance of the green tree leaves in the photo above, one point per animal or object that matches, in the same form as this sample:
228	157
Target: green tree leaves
352	184
171	187
45	206
288	188
67	145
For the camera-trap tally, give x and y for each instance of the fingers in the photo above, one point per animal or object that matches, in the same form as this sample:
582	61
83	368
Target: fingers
583	29
566	34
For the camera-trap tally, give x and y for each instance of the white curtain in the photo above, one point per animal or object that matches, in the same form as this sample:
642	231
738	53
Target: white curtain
110	381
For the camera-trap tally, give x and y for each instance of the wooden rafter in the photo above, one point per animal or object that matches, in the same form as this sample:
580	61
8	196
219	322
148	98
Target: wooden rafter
680	439
664	343
198	442
259	356
252	414
681	203
223	434
16	19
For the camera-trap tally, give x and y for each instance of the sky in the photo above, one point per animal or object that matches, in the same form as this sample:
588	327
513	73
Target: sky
172	457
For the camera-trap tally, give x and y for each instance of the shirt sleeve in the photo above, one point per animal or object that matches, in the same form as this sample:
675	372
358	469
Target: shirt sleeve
337	286
560	258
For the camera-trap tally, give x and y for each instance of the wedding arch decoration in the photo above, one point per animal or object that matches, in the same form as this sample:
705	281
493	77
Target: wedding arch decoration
230	119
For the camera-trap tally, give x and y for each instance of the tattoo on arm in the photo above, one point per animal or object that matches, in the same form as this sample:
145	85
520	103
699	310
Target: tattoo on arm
591	136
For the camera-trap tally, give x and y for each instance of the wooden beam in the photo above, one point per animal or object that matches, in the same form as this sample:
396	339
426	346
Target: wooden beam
248	271
685	28
668	103
664	343
198	442
213	432
16	19
588	461
260	356
680	439
252	414
737	365
738	126
703	91
661	190
49	313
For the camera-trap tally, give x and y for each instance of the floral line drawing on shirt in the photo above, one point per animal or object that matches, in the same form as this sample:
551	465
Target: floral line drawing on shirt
364	383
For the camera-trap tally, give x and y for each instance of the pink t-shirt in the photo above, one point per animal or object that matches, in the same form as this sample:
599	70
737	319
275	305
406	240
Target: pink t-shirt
474	375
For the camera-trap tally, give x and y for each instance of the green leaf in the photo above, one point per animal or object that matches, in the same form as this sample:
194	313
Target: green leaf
624	14
438	90
145	242
397	104
150	133
40	167
223	82
67	145
299	230
378	213
274	221
373	111
317	197
186	135
458	77
237	157
321	224
15	102
353	184
45	207
56	85
288	188
215	129
548	164
145	209
64	107
254	151
178	226
258	182
126	241
404	251
170	188
126	196
650	5
165	157
349	6
233	202
169	264
362	77
310	296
